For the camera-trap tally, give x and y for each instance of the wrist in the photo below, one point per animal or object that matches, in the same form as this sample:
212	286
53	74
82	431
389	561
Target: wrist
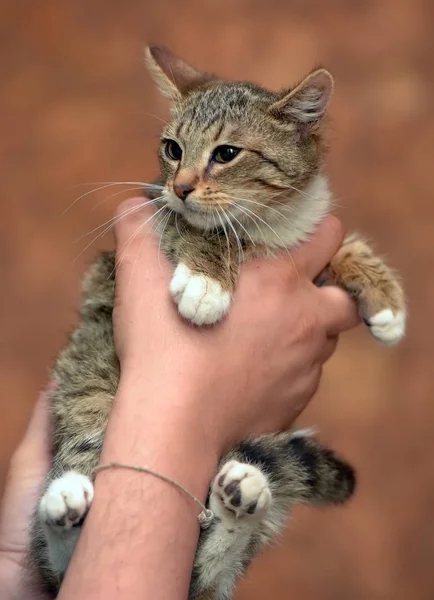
167	429
137	519
9	577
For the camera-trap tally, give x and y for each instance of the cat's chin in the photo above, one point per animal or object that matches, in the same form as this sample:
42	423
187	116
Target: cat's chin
195	217
198	220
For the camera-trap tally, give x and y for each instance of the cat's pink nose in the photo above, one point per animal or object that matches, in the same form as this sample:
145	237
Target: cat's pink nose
182	190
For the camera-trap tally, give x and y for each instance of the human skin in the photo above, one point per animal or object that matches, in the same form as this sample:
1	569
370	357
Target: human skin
187	395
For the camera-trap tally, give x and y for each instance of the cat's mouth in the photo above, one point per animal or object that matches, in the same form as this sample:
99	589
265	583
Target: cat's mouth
196	215
199	217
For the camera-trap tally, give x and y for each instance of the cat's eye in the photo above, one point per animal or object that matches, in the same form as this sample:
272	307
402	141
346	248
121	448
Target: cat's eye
173	150
224	154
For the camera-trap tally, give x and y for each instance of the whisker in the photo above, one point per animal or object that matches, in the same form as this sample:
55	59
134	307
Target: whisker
226	235
241	225
216	232
177	229
139	252
152	185
292	187
286	205
278	212
254	221
282	191
240	248
335	204
166	222
265	223
118	217
266	194
146	114
98	204
105	184
174	99
133	235
114	221
276	234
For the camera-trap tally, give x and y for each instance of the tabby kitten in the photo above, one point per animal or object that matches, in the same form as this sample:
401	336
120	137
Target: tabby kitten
241	173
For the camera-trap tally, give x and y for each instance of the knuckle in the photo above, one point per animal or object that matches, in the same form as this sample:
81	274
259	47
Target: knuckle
310	382
329	350
308	328
314	380
317	374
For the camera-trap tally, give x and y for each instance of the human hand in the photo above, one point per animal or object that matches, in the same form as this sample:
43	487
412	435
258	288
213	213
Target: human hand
255	371
29	465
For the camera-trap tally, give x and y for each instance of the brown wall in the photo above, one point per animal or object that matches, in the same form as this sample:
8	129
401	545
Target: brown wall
74	107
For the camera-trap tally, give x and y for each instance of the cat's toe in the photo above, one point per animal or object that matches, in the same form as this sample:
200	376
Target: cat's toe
387	327
179	281
67	500
242	489
201	299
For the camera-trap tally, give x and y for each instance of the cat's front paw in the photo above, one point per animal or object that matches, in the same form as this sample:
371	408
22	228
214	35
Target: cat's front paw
383	308
376	288
200	299
67	500
241	489
387	326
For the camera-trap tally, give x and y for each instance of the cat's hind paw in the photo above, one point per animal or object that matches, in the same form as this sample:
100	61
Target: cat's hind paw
200	299
67	500
241	489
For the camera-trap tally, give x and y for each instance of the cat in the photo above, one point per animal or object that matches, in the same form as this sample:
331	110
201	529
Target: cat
242	177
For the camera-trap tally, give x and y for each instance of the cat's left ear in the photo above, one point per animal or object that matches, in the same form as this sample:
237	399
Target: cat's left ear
174	77
308	101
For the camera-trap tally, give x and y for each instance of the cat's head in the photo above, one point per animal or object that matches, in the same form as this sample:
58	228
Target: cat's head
233	151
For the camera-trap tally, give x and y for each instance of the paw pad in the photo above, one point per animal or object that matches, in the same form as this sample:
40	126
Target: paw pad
67	500
242	489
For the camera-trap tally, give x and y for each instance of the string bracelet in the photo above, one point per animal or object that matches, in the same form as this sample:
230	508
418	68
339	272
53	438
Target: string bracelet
206	515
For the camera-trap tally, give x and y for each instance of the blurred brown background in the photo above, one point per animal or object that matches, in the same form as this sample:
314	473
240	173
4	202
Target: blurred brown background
73	106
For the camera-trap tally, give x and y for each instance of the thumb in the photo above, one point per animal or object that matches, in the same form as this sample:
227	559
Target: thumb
135	218
135	239
340	310
34	448
28	467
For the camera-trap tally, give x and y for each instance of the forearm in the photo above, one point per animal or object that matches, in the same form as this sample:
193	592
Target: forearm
140	536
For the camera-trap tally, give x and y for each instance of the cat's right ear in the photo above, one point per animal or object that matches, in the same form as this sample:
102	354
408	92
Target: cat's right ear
173	76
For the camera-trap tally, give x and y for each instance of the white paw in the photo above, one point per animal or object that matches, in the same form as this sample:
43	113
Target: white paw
66	500
200	299
242	489
387	327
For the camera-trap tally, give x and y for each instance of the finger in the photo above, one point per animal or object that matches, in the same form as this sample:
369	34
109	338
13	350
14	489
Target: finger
134	216
137	246
328	349
35	445
28	467
340	312
313	256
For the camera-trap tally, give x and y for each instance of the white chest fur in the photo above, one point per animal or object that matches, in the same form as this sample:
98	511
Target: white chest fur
290	223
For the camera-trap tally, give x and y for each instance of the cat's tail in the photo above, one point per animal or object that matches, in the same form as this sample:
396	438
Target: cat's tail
300	470
325	478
